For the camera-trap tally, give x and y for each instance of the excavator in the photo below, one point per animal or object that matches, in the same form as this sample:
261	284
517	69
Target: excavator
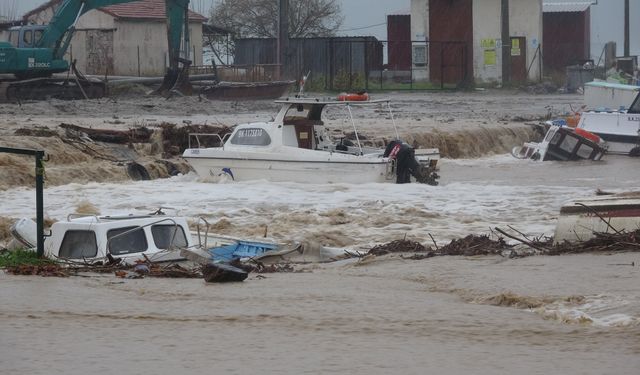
34	53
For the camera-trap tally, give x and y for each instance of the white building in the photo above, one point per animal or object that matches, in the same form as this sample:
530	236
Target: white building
465	39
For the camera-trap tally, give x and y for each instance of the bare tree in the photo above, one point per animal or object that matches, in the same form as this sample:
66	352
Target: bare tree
8	10
259	18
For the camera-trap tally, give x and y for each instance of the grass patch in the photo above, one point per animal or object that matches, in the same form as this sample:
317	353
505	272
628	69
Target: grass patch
22	257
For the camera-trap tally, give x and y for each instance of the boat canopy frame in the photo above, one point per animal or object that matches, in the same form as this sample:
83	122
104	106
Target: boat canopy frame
348	104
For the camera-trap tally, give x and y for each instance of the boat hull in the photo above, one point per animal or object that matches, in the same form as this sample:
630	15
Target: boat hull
579	220
247	90
304	171
620	130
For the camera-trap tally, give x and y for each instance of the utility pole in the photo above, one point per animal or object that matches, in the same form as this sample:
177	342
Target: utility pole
506	42
283	35
627	51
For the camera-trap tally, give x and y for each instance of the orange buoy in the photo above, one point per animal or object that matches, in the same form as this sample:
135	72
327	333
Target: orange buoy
573	120
351	97
588	135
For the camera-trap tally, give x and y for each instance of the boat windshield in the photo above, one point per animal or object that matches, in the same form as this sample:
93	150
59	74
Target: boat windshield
311	112
78	244
635	107
168	236
127	240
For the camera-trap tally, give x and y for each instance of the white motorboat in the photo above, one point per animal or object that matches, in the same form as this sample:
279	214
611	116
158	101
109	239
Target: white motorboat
156	238
297	147
580	219
563	143
620	129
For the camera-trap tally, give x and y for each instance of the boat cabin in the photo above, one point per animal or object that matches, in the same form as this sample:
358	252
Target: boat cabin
562	144
128	237
299	124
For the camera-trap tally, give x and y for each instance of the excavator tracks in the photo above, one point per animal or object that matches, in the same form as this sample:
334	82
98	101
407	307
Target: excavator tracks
50	88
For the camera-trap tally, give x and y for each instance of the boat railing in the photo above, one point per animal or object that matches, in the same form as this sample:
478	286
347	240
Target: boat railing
173	237
355	129
80	216
197	136
206	233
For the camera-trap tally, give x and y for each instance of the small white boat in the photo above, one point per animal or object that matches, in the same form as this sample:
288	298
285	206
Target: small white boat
297	147
128	237
620	129
563	143
580	219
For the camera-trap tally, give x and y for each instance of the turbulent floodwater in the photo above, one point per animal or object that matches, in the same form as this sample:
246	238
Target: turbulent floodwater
486	315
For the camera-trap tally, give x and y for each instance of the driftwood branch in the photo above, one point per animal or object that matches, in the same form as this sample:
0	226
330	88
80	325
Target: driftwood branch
528	243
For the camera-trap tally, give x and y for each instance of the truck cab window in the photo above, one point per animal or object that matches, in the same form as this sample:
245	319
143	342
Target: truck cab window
27	38
14	37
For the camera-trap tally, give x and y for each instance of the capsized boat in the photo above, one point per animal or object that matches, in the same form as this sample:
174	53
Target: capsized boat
620	129
580	219
296	146
563	143
153	237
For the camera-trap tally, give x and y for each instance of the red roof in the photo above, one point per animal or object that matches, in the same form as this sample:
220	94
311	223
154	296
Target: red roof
146	9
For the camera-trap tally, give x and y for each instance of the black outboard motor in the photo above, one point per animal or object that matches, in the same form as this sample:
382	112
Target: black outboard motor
407	165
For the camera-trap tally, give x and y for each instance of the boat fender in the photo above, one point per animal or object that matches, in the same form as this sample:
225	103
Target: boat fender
588	135
353	97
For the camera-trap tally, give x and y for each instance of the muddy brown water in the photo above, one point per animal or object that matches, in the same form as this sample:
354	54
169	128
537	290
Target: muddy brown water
452	315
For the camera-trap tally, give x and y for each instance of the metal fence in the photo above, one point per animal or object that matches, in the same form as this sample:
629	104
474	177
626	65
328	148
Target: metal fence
363	63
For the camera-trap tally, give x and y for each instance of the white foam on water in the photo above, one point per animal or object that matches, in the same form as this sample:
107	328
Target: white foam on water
599	311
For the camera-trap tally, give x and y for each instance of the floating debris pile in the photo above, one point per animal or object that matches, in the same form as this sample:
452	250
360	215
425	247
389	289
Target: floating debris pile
399	246
474	245
602	242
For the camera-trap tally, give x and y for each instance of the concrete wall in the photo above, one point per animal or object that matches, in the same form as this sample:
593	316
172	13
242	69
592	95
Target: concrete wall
420	31
486	21
526	21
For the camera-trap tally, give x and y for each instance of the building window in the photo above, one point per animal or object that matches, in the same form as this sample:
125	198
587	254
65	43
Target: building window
420	55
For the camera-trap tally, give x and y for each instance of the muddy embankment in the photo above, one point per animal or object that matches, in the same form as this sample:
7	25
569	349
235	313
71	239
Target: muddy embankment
81	155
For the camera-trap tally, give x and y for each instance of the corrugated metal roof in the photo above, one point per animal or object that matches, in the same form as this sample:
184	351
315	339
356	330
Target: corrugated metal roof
145	9
565	7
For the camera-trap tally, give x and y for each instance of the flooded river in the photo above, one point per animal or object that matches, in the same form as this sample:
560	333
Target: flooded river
451	315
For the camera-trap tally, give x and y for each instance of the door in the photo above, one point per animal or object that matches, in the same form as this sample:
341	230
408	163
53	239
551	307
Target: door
451	41
518	59
99	47
304	133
